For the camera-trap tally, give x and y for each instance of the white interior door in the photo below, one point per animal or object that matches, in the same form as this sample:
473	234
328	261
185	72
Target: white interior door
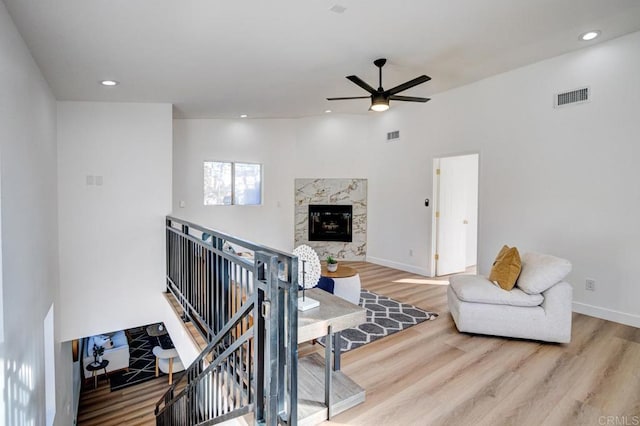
455	183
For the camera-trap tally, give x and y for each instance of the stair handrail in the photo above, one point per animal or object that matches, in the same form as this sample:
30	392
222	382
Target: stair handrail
205	352
254	371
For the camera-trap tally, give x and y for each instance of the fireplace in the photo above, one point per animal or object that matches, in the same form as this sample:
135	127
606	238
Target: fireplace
330	222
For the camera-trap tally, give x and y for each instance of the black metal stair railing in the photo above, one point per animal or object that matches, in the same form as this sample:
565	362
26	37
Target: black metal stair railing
242	298
216	384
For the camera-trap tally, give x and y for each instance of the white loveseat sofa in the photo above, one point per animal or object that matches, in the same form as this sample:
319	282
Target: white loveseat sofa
118	355
538	308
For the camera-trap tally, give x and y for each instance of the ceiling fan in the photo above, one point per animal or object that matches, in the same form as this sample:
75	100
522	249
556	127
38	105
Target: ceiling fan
380	98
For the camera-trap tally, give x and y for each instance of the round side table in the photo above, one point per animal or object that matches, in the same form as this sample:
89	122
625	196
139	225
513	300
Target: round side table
343	271
155	330
95	367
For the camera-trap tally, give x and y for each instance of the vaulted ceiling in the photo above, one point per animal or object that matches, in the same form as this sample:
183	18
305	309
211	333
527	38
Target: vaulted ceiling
282	58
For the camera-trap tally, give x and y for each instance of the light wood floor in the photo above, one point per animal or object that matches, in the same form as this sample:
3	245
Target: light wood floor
431	374
132	406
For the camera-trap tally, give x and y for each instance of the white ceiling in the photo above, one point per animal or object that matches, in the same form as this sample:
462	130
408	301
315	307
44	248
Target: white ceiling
282	58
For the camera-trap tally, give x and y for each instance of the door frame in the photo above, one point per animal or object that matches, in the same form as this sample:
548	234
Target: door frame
436	199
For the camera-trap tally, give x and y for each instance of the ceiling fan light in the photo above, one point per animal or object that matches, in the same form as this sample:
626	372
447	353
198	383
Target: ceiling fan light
379	107
379	104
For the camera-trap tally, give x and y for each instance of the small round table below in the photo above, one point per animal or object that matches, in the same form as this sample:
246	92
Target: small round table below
343	271
95	367
155	330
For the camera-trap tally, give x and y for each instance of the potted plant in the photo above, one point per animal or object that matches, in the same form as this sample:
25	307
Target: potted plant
332	264
98	351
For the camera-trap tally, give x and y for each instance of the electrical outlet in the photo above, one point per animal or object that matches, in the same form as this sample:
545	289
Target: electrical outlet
590	285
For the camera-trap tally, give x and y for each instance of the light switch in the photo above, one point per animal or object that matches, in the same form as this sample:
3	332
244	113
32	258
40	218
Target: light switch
99	180
182	204
90	180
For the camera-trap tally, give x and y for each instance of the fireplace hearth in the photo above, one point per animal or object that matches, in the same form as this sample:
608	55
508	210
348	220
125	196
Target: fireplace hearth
330	222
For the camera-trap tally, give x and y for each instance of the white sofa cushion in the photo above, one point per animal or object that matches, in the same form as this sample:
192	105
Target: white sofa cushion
119	338
541	271
550	322
478	289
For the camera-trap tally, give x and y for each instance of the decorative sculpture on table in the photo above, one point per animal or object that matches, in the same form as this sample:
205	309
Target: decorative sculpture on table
98	351
308	275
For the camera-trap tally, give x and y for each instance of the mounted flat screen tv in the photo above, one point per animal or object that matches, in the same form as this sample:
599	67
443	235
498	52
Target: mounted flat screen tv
330	222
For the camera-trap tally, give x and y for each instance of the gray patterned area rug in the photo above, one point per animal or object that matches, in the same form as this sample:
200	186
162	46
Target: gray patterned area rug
142	361
385	316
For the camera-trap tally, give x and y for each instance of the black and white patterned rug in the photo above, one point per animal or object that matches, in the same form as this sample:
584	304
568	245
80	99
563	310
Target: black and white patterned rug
385	316
142	362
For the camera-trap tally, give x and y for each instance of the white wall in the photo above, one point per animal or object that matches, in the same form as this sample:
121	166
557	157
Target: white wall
332	146
29	235
560	181
269	142
551	180
398	176
112	260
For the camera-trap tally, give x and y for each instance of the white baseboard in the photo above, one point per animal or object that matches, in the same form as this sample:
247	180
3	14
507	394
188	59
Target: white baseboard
607	314
397	265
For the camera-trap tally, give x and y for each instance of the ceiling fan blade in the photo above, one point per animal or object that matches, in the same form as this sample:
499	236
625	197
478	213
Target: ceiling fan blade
408	85
408	98
357	80
349	97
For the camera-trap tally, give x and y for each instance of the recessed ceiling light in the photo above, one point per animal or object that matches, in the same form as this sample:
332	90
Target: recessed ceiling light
327	111
243	116
589	35
109	83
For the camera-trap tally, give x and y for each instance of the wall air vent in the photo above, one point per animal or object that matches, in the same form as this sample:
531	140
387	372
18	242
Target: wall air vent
393	136
572	97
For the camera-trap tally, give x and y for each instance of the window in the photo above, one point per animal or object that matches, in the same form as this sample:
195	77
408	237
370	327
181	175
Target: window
247	184
227	183
217	183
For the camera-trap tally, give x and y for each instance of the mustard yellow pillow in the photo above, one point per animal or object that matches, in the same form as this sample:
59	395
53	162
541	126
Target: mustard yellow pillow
506	268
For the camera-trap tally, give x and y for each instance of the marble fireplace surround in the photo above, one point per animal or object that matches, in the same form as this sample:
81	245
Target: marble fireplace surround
333	191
